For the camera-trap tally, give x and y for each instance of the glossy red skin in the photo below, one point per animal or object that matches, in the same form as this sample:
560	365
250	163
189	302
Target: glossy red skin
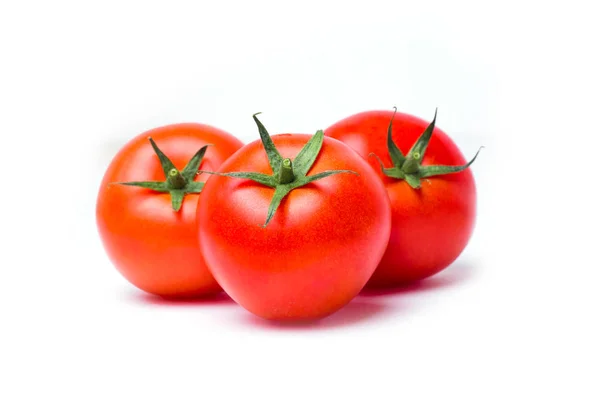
317	252
430	226
151	245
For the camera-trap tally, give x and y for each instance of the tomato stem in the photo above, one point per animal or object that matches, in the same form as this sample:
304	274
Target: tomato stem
176	180
177	183
286	172
410	168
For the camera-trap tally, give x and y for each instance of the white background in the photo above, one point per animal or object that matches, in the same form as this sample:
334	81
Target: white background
515	317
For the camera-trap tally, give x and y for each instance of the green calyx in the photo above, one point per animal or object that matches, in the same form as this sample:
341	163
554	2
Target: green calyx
287	174
409	168
177	183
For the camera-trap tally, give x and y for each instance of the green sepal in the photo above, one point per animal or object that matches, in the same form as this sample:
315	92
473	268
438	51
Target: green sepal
280	192
417	151
194	187
324	174
394	172
152	185
273	155
413	181
191	169
307	156
395	153
434	170
267	180
177	183
177	196
165	162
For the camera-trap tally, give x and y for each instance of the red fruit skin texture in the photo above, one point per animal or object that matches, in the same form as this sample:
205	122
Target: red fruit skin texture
320	248
155	248
431	226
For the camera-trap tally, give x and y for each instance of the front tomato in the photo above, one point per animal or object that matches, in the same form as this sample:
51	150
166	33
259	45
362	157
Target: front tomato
431	189
146	207
294	232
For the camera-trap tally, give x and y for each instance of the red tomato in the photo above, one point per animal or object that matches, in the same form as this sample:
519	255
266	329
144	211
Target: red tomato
431	225
151	244
320	247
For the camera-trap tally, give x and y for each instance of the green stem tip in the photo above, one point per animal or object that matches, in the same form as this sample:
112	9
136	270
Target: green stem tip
286	172
176	179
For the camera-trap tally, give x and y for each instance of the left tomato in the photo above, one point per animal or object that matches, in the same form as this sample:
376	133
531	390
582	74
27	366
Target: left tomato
146	207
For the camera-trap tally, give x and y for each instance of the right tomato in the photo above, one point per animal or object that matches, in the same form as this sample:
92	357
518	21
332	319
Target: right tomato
431	189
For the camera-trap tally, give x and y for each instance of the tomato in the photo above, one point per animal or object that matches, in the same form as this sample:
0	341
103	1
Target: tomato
431	189
148	225
293	233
